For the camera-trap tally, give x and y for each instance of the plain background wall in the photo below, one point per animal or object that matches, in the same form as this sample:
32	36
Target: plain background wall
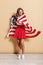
34	12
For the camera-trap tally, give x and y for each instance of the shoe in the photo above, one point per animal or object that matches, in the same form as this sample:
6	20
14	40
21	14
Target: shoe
19	56
22	56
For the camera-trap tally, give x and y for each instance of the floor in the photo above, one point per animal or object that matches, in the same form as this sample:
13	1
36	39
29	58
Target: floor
30	59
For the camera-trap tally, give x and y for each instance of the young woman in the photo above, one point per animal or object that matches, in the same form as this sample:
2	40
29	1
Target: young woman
19	31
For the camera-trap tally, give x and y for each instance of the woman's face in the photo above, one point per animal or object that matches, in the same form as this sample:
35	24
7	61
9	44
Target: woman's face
20	12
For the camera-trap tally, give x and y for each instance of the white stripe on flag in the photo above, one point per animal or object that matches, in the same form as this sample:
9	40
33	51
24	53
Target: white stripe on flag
25	22
12	29
32	34
20	17
13	26
10	33
23	19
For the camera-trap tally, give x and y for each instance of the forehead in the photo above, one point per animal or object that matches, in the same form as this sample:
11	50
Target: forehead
20	10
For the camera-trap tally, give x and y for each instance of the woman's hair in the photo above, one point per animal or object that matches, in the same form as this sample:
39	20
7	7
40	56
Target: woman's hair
17	14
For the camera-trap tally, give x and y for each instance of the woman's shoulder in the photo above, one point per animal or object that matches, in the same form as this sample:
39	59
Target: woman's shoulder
14	17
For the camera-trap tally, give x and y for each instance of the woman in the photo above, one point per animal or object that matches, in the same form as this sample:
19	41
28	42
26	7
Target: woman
19	31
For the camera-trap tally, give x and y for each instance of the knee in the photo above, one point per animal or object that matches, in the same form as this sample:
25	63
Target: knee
22	44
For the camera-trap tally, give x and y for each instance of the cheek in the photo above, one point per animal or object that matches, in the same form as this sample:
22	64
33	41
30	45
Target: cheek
20	12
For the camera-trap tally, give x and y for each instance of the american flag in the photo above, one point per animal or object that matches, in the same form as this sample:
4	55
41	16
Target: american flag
22	20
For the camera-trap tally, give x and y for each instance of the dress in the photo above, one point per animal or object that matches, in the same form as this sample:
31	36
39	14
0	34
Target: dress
20	32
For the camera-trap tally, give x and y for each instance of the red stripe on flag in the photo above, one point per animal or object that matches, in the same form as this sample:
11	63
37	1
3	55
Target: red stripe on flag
34	35
31	32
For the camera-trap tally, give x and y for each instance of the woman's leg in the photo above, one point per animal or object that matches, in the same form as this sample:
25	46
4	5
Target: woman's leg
22	45
19	49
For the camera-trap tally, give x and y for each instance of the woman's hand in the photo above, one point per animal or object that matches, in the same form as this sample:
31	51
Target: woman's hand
7	35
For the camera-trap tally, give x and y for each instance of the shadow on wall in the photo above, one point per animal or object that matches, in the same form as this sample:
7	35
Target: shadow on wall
11	38
14	42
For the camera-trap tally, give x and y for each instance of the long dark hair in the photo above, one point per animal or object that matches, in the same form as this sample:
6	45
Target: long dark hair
17	14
